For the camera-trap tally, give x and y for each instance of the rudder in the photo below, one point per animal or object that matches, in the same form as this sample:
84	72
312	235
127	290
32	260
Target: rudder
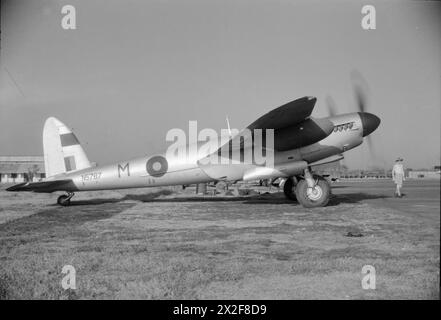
62	150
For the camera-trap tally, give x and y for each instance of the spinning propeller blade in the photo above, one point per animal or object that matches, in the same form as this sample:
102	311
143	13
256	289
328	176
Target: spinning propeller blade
332	110
361	92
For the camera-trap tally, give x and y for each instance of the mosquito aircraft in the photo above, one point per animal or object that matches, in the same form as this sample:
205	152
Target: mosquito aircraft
300	143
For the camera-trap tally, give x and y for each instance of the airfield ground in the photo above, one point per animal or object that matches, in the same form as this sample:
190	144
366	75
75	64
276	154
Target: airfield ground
169	244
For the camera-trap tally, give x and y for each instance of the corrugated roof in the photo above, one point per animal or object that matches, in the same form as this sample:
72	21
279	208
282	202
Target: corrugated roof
21	159
17	167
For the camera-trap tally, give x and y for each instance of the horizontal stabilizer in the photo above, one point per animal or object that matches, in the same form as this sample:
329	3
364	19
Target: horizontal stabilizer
45	186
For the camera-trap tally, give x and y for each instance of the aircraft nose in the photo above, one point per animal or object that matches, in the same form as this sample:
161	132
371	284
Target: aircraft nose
369	121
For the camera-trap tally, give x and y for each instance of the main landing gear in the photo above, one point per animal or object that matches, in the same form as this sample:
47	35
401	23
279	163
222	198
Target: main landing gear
310	190
289	188
64	200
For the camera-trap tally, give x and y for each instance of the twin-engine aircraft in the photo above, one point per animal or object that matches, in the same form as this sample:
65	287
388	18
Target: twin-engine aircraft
300	142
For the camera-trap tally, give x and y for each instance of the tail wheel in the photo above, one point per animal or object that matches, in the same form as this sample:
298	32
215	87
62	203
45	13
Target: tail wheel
64	200
317	196
289	189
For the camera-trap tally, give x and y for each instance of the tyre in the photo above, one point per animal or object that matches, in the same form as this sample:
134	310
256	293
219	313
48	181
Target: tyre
289	189
318	196
63	200
221	186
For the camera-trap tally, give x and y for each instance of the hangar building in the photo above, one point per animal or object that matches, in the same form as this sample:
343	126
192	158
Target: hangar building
16	169
426	174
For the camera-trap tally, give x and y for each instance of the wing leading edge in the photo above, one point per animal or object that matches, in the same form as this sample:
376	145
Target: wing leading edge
289	114
283	120
45	186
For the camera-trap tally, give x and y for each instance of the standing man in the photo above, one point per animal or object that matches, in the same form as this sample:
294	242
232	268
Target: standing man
398	176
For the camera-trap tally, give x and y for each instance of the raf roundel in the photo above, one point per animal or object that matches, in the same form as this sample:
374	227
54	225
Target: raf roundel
157	166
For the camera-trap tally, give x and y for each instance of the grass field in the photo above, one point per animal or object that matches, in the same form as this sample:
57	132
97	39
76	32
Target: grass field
164	244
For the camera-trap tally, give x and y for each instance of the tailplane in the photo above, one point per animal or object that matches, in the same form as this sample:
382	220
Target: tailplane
62	150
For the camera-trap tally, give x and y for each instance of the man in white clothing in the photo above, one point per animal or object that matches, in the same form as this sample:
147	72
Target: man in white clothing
398	176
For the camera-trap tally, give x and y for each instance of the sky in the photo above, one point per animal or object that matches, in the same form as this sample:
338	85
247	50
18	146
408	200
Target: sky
132	70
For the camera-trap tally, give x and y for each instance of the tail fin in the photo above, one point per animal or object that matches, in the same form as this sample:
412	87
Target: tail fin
62	150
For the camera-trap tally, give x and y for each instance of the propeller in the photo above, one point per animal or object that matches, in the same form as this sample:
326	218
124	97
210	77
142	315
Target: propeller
361	93
332	110
361	90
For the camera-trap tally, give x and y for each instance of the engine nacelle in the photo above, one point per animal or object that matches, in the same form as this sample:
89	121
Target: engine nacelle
287	169
303	134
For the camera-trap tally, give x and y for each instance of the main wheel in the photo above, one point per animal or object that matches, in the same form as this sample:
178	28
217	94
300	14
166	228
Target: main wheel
318	196
289	189
63	200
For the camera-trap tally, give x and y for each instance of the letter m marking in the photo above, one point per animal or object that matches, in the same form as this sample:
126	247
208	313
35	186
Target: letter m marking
123	169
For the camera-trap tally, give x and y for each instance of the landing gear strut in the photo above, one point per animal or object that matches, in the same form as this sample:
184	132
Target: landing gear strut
289	188
313	191
64	200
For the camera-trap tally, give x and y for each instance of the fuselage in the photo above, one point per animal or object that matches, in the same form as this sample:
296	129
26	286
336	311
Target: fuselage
163	170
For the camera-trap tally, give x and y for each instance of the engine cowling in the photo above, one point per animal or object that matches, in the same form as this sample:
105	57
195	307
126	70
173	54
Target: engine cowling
303	134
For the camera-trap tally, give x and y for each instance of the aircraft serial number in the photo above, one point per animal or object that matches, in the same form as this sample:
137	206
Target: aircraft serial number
91	176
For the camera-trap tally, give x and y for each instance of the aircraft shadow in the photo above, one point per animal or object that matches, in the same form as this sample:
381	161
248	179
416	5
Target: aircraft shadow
339	187
273	198
135	197
153	198
266	198
353	198
82	211
68	217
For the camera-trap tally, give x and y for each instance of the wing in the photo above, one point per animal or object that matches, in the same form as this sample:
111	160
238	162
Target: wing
289	114
285	117
45	186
